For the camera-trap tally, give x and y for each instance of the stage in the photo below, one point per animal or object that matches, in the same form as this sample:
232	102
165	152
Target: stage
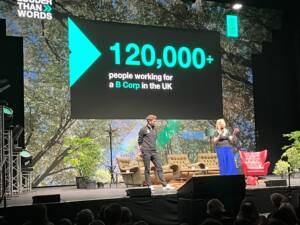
162	207
70	193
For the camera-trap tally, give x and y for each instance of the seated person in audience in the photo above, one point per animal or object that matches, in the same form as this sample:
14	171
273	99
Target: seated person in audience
39	216
84	217
126	217
100	212
113	214
249	212
286	213
216	210
276	200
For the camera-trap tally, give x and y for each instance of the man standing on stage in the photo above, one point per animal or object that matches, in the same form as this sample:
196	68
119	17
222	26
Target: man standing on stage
147	146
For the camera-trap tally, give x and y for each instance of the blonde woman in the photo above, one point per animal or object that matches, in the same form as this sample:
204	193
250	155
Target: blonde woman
223	141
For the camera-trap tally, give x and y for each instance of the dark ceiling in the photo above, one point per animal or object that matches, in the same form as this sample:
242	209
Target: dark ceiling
291	16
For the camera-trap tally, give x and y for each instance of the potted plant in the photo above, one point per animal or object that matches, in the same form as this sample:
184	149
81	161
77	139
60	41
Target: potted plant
281	168
84	156
291	156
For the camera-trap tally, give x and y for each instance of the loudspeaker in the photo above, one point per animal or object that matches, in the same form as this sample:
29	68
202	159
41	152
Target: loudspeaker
138	192
212	186
45	198
228	189
278	182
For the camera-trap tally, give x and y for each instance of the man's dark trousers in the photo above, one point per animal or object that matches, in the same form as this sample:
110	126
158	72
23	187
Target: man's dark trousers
149	156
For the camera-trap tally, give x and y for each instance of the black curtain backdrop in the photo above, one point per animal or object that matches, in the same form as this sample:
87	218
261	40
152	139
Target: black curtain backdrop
277	87
11	68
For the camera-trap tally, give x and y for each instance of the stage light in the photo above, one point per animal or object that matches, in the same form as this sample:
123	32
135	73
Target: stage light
26	158
8	115
237	6
7	111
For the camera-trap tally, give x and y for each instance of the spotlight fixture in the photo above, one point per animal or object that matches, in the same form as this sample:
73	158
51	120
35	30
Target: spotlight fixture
26	158
237	6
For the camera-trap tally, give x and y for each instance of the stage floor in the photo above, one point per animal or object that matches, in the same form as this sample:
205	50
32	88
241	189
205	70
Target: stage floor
72	194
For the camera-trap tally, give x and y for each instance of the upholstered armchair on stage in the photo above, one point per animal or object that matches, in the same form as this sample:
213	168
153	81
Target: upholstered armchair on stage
129	170
181	165
254	164
209	162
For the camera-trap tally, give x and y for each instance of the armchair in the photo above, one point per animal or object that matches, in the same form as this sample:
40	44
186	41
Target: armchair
254	164
209	161
181	165
129	170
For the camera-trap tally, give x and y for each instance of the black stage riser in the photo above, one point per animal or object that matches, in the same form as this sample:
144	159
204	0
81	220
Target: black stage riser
156	209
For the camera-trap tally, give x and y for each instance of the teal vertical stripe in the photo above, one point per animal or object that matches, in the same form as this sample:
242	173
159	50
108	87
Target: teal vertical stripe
232	26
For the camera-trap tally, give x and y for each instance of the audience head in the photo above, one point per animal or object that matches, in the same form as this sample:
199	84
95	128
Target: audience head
100	214
248	211
277	199
39	214
84	217
286	213
113	214
126	216
215	207
65	221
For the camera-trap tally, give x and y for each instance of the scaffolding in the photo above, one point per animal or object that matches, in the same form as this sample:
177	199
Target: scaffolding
1	148
13	178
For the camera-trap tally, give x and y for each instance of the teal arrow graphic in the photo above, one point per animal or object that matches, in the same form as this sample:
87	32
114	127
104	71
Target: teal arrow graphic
47	8
83	52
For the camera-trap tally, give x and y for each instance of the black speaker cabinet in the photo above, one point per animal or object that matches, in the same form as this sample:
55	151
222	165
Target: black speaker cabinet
228	189
138	192
38	199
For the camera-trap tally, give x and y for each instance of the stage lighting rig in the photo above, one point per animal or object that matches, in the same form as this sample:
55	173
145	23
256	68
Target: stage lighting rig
8	114
26	158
